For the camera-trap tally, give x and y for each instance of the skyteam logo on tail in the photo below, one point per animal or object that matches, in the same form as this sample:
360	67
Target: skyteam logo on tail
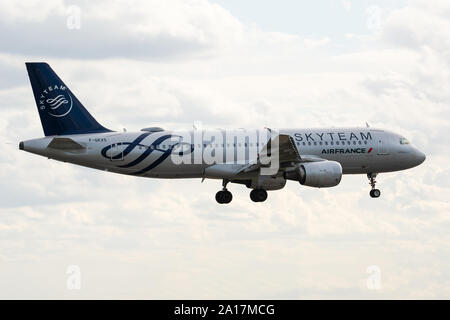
56	101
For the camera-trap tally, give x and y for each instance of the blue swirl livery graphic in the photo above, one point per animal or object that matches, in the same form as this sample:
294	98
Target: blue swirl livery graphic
149	149
56	100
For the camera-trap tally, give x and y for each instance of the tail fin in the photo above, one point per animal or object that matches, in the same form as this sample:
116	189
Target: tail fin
60	111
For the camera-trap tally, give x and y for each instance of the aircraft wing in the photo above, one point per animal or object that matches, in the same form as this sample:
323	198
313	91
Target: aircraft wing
282	147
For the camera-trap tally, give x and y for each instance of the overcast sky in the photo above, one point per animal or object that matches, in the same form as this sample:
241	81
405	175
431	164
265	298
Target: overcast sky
228	64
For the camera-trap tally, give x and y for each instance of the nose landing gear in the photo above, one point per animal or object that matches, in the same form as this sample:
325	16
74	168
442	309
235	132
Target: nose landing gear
224	196
374	193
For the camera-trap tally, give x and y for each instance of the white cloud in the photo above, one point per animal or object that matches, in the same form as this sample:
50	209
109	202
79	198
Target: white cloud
34	11
169	239
147	29
311	43
346	4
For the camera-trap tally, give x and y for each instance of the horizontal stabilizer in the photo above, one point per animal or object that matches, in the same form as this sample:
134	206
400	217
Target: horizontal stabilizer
65	144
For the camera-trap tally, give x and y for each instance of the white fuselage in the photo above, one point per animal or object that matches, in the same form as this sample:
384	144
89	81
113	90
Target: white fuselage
150	154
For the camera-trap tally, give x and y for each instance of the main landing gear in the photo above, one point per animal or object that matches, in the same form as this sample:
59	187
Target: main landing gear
224	196
258	195
374	193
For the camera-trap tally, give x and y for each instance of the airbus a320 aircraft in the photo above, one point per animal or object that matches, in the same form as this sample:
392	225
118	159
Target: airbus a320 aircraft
262	160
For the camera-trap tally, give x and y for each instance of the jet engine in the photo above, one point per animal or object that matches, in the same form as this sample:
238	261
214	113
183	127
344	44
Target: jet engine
321	174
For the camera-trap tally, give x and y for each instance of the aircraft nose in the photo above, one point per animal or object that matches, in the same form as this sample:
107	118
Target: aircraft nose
420	157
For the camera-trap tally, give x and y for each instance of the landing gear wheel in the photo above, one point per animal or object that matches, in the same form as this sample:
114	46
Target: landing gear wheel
253	195
224	196
375	193
258	195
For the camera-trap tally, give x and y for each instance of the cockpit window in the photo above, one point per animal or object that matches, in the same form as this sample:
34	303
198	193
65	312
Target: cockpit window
404	141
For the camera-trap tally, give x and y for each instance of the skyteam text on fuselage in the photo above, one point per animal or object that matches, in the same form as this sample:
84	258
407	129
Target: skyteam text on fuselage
261	159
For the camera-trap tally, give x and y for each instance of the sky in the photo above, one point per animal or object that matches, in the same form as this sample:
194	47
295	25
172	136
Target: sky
70	232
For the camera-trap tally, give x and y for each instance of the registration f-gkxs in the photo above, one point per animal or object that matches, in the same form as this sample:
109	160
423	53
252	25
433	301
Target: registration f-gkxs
262	160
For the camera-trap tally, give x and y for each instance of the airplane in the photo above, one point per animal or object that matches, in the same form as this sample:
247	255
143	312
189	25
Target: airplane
261	159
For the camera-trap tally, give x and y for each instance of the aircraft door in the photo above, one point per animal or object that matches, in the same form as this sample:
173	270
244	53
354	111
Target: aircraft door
382	147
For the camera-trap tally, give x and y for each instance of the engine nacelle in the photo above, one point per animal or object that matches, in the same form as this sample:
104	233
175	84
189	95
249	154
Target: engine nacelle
321	174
